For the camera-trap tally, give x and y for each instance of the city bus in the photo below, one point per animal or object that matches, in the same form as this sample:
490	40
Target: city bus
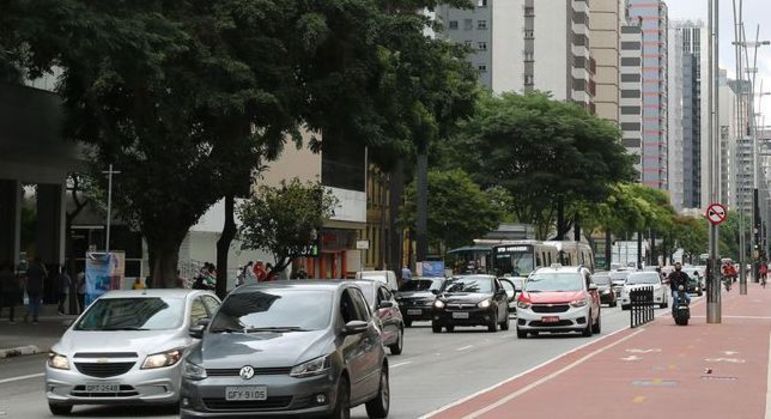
573	253
521	257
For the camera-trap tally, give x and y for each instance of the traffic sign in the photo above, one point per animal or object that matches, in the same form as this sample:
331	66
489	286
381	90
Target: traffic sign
716	213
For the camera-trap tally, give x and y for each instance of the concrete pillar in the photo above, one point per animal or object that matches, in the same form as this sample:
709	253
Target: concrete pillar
51	213
10	220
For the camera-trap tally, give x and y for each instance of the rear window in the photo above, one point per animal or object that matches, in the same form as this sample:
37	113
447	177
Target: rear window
601	279
555	282
140	313
643	279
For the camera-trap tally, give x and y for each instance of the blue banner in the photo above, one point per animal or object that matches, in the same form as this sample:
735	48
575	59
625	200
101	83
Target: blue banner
433	269
100	274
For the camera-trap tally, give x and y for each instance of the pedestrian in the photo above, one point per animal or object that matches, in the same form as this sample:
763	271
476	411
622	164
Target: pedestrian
63	283
33	284
406	274
259	271
81	291
271	275
763	269
9	290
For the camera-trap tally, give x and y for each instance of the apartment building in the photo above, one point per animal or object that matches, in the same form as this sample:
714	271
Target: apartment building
605	21
680	153
630	101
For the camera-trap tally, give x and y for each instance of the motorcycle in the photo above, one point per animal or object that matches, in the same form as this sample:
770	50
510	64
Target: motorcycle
681	311
727	281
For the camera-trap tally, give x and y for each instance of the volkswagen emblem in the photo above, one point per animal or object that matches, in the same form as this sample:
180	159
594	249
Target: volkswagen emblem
246	372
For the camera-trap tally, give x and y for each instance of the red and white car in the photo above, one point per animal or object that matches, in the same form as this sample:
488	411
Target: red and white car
559	299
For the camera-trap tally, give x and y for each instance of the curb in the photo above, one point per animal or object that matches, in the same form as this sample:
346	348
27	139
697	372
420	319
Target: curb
19	351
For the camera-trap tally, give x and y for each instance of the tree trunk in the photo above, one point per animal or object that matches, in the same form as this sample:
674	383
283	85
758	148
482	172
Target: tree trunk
396	186
639	249
223	246
560	219
608	244
421	225
654	258
165	261
577	228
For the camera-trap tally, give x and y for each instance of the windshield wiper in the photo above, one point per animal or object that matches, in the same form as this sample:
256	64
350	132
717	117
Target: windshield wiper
532	291
227	330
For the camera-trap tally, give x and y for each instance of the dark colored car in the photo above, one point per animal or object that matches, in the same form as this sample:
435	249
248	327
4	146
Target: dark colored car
605	288
383	304
472	300
287	348
416	298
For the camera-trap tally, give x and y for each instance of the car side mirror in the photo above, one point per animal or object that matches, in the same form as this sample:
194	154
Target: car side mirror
593	287
354	327
386	304
196	331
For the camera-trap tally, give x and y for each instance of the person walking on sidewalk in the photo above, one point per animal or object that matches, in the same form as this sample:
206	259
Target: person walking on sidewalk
81	291
763	269
9	290
63	284
33	284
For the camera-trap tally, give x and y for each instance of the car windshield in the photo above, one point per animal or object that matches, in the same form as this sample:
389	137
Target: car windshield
368	289
133	313
274	309
643	278
420	285
555	282
470	284
601	279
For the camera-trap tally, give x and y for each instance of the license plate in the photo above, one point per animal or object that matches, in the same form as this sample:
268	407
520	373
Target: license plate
246	393
102	388
460	315
550	319
415	312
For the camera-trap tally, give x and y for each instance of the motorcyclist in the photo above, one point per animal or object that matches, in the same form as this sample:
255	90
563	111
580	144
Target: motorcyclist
729	274
677	278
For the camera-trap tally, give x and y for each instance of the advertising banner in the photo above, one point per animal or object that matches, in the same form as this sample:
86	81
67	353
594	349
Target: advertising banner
432	269
104	272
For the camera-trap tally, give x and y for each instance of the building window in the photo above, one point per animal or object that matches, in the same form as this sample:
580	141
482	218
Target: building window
481	3
630	77
529	34
630	61
630	110
453	24
528	80
468	24
529	56
482	68
467	43
482	24
482	46
630	94
529	12
630	45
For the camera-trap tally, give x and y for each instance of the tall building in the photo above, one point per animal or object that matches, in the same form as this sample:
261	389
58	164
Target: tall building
630	118
742	145
652	15
525	45
605	21
680	159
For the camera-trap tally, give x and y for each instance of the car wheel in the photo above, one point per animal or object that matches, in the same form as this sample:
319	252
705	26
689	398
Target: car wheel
408	323
342	408
597	328
505	324
379	406
613	303
436	327
396	348
60	409
521	334
450	328
587	332
492	327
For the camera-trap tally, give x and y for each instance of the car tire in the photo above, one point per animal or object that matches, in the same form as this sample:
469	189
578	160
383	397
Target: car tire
492	327
396	348
521	334
613	303
624	308
597	327
408	323
506	323
436	327
378	407
587	332
60	409
342	409
450	328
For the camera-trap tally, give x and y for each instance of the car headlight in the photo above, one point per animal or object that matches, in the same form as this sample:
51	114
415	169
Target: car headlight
439	304
485	303
578	303
193	371
523	305
313	367
162	359
58	361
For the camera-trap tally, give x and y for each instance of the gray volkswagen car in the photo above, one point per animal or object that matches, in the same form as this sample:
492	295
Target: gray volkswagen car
288	348
126	349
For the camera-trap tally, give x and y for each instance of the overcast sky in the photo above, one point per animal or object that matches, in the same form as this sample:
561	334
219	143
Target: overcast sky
755	12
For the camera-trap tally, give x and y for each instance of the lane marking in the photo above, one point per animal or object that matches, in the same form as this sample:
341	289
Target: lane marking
768	381
400	364
21	377
523	373
464	348
638	399
549	377
631	358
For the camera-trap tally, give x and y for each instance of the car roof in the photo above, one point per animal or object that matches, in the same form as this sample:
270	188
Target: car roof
483	276
154	292
560	269
294	284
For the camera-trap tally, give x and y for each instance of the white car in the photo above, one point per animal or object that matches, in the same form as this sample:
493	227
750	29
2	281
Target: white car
645	279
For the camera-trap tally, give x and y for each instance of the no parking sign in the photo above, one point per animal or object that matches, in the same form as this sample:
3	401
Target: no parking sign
716	213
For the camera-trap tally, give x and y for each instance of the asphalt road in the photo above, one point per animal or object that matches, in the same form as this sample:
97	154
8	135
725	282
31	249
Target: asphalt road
433	371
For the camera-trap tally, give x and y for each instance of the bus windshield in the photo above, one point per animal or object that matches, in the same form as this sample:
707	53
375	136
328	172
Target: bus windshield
514	260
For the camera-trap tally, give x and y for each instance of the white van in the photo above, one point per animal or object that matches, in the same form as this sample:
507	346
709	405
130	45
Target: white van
386	277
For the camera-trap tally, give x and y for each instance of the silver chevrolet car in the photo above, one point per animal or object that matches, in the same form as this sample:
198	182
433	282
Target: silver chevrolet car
288	348
126	349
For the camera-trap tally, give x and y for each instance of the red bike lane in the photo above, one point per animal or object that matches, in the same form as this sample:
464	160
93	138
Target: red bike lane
701	370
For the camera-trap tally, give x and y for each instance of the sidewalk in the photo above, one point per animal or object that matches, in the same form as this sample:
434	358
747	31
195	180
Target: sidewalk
701	370
28	339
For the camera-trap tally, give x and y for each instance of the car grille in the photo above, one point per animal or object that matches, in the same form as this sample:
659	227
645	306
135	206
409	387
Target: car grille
103	370
235	372
538	323
105	355
417	302
125	391
460	306
550	308
270	403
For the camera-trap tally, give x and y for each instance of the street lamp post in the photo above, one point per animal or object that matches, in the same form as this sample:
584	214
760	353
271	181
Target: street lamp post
713	272
109	174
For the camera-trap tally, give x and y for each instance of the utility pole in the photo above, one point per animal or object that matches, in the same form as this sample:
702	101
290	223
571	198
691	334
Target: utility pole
109	174
740	133
713	294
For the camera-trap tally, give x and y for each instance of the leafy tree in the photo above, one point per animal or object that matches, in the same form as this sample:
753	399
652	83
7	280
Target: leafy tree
691	234
458	210
285	220
549	155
